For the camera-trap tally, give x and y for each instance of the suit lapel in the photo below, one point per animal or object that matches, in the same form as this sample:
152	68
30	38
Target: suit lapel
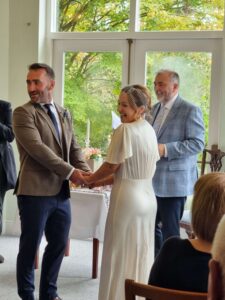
41	111
155	113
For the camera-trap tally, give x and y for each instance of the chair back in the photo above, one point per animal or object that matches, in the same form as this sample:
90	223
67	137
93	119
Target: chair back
151	292
214	158
214	161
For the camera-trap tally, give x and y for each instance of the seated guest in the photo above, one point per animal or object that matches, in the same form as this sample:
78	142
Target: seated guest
183	263
216	286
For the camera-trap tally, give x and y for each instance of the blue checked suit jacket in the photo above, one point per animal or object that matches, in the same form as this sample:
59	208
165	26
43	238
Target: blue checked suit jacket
183	134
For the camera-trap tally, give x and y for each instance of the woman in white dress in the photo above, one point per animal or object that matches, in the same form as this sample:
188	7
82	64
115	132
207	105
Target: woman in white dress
128	250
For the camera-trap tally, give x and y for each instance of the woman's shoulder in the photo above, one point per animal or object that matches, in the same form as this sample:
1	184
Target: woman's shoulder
178	245
174	250
175	242
140	126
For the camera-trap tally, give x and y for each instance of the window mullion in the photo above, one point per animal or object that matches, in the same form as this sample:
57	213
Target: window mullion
134	16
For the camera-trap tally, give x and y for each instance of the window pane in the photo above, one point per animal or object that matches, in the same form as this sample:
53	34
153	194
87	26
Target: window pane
93	15
194	69
91	87
181	15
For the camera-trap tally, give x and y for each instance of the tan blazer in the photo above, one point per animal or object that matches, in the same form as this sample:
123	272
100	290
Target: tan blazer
44	161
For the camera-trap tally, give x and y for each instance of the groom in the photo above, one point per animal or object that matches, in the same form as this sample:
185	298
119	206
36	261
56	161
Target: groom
49	157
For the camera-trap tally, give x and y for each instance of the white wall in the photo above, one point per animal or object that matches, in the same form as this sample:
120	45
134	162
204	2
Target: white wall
23	41
4	49
222	108
19	34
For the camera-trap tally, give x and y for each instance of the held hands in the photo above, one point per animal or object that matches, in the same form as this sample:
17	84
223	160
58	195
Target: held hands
78	177
83	179
87	180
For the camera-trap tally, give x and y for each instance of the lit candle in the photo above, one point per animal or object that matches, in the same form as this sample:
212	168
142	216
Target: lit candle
88	133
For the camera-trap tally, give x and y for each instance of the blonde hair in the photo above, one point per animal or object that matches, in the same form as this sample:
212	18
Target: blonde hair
208	205
138	95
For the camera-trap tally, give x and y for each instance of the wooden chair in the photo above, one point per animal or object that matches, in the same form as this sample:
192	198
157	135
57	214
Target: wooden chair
151	292
212	157
214	161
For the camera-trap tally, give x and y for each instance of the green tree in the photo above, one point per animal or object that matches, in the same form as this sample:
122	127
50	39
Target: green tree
93	80
181	15
92	84
93	15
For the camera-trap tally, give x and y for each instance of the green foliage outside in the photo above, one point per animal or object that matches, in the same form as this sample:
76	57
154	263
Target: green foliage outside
93	15
181	15
155	15
92	85
93	80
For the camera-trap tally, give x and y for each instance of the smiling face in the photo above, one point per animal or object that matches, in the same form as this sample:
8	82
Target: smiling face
165	87
127	112
39	86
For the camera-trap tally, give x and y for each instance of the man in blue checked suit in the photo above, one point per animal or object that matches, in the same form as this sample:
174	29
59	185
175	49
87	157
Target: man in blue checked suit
180	132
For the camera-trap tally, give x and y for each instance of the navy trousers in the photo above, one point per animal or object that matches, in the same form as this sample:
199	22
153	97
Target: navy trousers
169	213
38	215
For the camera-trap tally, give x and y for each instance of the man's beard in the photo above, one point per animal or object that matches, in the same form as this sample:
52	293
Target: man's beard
37	97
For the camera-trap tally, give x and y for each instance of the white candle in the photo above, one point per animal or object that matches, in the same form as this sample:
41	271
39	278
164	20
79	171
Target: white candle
88	133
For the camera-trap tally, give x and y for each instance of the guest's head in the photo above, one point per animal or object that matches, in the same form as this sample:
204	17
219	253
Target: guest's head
216	283
208	205
134	101
166	85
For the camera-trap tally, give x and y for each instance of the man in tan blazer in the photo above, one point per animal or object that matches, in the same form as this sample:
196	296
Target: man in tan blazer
49	158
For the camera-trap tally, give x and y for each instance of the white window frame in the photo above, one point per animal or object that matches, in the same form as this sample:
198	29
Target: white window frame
187	41
213	46
82	45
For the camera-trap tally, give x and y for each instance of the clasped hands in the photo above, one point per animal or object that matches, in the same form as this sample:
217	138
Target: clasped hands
80	177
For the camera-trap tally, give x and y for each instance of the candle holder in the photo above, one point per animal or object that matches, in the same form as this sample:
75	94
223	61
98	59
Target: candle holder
87	143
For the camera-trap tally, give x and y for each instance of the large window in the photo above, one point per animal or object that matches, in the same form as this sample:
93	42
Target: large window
181	15
151	15
92	15
92	83
100	46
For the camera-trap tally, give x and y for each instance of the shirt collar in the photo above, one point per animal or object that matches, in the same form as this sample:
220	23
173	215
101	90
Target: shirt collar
170	103
43	104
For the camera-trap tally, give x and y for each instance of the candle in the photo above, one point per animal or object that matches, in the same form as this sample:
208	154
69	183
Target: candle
88	133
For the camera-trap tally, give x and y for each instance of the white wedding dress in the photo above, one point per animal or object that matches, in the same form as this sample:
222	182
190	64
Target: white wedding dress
128	250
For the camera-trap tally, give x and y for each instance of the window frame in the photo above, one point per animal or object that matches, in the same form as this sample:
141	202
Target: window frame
210	41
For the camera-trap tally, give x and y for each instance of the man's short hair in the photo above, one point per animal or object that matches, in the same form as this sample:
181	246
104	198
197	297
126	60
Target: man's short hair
36	66
174	76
